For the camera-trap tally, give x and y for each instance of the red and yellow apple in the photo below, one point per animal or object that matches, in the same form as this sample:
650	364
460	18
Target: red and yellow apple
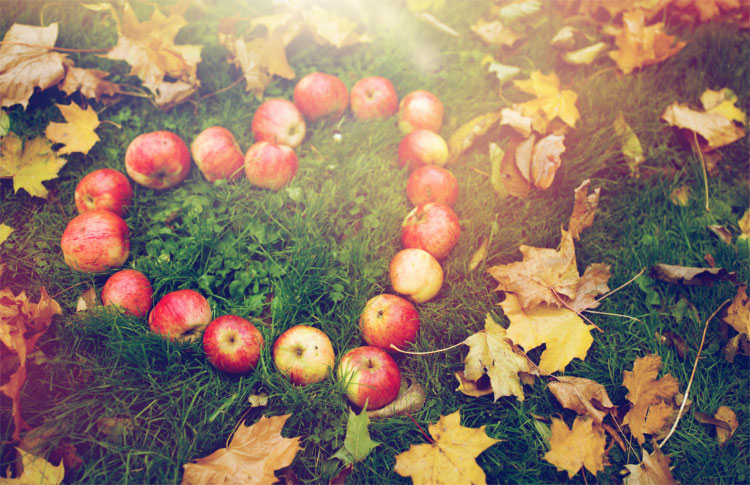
232	344
433	227
373	98
369	376
270	166
130	290
389	320
96	240
105	188
217	154
304	354
180	315
321	96
415	273
278	121
422	147
431	183
158	160
420	110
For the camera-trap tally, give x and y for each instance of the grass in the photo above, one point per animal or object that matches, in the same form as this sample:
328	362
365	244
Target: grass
316	251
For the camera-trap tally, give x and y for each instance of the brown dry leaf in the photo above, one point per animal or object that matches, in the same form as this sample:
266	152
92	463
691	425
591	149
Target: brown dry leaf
550	102
579	394
563	331
491	354
29	165
583	445
494	33
149	47
509	176
36	471
714	127
592	284
584	209
680	196
654	469
251	457
725	413
464	137
545	160
640	45
722	233
90	82
686	275
738	312
631	145
652	398
88	300
26	62
77	133
450	458
585	55
410	399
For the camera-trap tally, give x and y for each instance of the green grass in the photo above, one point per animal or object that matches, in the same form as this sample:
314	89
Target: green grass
316	251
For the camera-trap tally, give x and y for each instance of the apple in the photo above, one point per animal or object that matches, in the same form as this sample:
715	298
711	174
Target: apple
270	166
278	121
433	227
232	344
420	110
321	96
432	183
422	147
129	289
180	315
304	354
415	273
373	98
157	160
96	240
104	189
389	320
217	154
369	375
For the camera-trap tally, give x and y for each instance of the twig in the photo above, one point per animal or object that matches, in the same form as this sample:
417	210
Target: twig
697	148
623	285
66	289
227	88
692	375
426	353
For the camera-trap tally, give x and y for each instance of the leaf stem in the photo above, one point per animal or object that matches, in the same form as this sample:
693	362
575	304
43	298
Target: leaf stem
622	285
614	315
427	437
53	48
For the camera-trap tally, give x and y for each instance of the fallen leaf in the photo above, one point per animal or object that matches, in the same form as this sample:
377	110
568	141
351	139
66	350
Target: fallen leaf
340	478
464	137
517	121
680	196
39	439
524	152
27	62
512	180
517	9
450	458
503	72
651	397
654	469
490	354
707	9
713	127
631	145
733	346
29	163
77	133
690	276
550	102
640	45
477	256
115	429
738	312
584	209
725	414
494	33
410	399
672	339
722	233
258	400
579	394
88	300
4	123
580	446
329	28
723	102
545	160
90	82
744	225
592	284
564	38
251	457
585	55
357	442
37	471
5	231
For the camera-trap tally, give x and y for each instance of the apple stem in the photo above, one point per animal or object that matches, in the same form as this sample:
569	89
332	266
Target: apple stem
426	353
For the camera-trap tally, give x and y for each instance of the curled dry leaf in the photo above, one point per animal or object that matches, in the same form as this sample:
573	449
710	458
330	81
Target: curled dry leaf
410	399
90	82
738	312
722	233
726	415
29	163
517	121
585	55
508	176
583	445
464	137
654	469
680	196
88	300
686	275
584	209
580	395
733	346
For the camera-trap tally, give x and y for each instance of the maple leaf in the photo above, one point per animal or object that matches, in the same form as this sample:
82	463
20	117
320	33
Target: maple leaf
562	330
90	82
491	354
550	102
26	62
451	458
580	446
329	28
357	442
579	394
592	284
29	165
738	312
251	457
5	231
584	209
77	134
707	9
717	125
654	469
631	145
36	470
651	397
640	45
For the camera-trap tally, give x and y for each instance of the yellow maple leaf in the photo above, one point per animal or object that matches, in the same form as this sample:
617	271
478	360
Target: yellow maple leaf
451	458
37	471
77	134
723	102
491	354
550	102
580	446
26	62
5	231
640	45
329	28
651	397
738	312
29	165
562	330
251	456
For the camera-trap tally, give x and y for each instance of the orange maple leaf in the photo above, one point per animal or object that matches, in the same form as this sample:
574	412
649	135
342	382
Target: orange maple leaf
580	446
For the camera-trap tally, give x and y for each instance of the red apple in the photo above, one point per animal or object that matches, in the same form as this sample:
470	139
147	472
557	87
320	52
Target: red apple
270	166
389	320
431	183
373	98
422	147
304	354
415	273
96	240
420	110
129	289
158	160
320	95
217	154
278	121
180	315
104	189
433	227
232	344
369	375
